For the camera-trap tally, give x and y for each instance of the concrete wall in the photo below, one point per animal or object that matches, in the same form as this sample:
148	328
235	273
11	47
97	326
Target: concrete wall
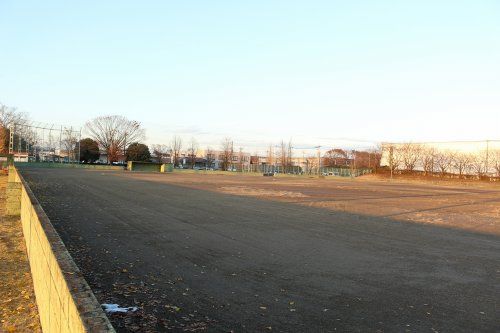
65	301
143	166
167	167
13	195
149	166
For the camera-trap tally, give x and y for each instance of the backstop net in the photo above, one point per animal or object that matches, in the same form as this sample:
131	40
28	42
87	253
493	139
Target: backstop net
36	142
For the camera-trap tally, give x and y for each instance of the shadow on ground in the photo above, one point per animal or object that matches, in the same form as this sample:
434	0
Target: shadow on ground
195	260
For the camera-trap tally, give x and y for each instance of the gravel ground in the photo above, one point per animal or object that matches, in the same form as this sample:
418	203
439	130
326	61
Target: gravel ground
254	254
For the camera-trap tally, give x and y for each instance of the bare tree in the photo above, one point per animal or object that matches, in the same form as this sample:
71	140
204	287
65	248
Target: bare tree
427	157
366	159
161	152
283	158
374	157
192	152
210	157
312	164
112	133
444	160
462	163
9	116
176	146
336	157
479	164
495	156
240	159
394	157
70	142
23	139
410	154
51	142
227	153
270	155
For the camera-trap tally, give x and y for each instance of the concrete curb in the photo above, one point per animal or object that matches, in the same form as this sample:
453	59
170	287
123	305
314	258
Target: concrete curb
65	301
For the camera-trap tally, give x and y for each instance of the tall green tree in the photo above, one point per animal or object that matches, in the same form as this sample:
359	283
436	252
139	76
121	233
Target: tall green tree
89	150
138	152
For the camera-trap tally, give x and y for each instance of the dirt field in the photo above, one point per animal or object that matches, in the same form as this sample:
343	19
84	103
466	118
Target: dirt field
18	312
223	253
444	204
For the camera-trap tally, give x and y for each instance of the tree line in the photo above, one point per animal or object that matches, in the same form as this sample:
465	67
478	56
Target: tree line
118	136
419	158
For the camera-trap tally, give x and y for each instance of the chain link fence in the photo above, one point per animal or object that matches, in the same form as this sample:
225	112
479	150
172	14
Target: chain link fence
45	143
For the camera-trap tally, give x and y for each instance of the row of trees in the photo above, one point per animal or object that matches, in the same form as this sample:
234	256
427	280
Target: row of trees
118	136
164	153
356	158
113	134
25	138
409	158
89	151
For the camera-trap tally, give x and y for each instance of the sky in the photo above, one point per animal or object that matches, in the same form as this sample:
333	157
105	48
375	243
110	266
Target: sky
313	72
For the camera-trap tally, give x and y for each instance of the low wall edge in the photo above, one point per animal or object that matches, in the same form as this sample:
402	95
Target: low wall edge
64	299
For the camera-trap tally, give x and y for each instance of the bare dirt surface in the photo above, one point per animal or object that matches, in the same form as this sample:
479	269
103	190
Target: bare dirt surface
18	312
439	204
435	179
222	253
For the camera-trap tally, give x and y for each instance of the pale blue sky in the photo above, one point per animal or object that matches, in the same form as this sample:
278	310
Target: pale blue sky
259	71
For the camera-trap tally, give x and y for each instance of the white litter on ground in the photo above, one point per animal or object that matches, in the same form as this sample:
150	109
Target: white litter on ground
114	308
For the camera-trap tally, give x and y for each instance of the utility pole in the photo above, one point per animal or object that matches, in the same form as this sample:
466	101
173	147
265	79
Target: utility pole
42	146
11	139
391	151
240	157
124	149
60	144
79	146
275	159
232	153
353	152
304	161
319	160
486	166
